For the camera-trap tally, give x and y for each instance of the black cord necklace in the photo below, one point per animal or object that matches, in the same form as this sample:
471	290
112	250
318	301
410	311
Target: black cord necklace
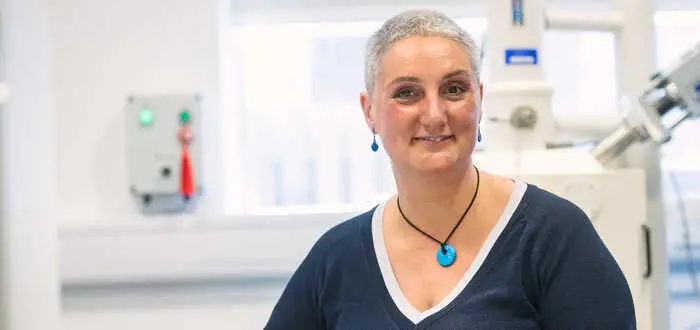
446	255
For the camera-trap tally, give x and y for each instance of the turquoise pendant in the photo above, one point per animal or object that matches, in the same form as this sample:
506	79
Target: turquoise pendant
446	255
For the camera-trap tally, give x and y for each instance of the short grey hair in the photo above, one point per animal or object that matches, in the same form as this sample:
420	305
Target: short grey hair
415	23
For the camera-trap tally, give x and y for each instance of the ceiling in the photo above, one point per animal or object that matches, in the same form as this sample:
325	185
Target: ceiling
277	5
268	11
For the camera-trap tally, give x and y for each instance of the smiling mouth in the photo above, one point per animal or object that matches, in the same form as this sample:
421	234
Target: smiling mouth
435	139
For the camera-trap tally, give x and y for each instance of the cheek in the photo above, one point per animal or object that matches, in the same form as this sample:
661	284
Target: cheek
396	121
464	117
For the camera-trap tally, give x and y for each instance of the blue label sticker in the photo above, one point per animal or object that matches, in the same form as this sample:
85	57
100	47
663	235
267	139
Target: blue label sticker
517	11
697	87
521	56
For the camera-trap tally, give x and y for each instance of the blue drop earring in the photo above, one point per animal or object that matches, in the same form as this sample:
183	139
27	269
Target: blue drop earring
478	136
375	146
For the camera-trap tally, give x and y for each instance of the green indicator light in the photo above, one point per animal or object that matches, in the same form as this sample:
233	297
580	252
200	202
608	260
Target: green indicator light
184	116
146	117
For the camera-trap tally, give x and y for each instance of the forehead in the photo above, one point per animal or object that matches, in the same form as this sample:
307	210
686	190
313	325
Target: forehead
426	58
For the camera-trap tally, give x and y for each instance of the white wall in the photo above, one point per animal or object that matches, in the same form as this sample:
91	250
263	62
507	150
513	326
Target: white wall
104	51
29	294
218	306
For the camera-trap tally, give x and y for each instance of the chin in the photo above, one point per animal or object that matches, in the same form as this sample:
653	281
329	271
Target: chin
437	164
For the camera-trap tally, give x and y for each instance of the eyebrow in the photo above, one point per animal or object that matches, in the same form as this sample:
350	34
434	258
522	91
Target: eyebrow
456	73
416	79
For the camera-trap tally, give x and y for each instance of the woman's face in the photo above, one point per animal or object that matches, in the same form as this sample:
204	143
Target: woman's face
426	104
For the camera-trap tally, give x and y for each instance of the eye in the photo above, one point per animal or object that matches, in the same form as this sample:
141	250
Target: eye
405	94
454	90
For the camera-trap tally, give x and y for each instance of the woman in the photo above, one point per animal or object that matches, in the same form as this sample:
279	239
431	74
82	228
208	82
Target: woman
457	247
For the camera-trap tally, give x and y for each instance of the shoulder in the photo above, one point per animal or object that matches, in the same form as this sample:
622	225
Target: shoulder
342	238
553	226
546	211
304	296
548	203
560	238
569	273
318	280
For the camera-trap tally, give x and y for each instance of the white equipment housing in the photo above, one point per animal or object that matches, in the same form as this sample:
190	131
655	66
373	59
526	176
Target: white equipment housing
519	99
521	124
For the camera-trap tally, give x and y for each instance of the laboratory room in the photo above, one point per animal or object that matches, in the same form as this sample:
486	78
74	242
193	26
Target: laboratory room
318	164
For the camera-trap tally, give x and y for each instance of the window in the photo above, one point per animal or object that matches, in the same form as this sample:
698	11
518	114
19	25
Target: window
300	106
678	32
300	137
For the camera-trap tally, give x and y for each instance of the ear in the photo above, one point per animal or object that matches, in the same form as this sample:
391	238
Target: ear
481	92
366	102
481	101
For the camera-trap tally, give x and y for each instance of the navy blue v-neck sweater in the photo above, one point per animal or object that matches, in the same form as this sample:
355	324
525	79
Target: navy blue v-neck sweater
548	269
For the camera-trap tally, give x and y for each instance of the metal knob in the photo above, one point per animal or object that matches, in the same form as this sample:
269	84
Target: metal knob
523	117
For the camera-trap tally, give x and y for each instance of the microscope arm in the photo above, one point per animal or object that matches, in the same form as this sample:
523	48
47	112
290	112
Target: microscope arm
672	97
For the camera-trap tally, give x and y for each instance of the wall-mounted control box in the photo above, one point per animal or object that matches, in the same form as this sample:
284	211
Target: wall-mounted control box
163	144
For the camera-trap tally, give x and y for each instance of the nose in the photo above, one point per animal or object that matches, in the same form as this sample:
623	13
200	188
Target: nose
434	114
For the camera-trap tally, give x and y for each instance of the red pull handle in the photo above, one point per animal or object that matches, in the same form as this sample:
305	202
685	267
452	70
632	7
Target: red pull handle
187	175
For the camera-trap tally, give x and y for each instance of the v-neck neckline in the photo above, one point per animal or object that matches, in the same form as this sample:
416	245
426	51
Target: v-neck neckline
388	278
